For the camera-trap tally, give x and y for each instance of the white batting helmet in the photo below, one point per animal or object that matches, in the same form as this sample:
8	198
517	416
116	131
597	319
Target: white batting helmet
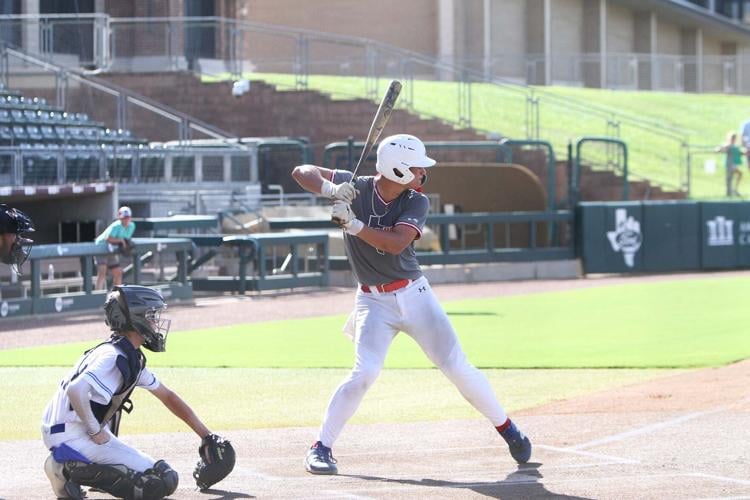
398	153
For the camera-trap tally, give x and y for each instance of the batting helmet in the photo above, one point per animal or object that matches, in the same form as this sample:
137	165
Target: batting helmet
397	154
13	221
139	308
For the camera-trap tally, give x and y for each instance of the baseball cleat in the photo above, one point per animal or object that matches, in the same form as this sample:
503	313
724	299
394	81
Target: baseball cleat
319	460
74	491
519	445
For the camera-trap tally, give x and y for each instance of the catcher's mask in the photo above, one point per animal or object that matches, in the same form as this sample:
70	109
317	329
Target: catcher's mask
397	154
139	308
13	221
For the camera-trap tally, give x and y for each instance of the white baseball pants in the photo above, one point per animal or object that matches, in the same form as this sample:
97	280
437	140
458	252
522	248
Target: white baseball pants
416	311
112	452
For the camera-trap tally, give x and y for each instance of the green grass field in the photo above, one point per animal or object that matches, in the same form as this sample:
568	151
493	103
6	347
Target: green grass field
534	348
703	119
668	324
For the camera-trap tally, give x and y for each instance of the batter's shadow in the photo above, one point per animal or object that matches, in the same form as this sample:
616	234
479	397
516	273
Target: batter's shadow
522	484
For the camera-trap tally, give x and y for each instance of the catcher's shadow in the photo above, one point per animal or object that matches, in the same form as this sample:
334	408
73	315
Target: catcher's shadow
224	495
521	484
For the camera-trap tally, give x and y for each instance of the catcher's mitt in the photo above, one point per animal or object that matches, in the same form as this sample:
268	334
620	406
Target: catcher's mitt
217	461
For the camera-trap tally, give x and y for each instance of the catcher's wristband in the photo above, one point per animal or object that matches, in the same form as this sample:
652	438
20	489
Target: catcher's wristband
94	433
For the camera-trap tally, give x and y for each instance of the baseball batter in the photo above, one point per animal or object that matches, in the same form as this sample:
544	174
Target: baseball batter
381	217
76	426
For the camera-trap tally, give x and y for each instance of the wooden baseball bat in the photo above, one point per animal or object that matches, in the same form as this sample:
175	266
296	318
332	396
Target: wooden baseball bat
379	121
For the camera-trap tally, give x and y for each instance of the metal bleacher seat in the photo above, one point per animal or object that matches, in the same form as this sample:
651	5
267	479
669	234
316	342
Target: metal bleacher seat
11	101
19	133
62	133
55	117
152	165
38	166
49	134
91	134
34	133
5	118
17	116
6	135
31	115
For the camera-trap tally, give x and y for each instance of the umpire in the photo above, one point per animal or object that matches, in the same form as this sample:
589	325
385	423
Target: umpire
15	246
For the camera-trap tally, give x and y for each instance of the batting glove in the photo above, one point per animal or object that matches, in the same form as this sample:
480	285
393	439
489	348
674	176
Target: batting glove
342	215
343	192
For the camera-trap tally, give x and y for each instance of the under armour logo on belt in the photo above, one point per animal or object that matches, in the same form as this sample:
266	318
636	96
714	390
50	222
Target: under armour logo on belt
422	289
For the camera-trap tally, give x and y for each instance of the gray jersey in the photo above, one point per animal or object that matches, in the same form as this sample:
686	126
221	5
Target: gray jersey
370	265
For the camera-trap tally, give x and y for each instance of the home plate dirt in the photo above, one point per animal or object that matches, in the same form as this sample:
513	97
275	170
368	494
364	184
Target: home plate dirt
597	446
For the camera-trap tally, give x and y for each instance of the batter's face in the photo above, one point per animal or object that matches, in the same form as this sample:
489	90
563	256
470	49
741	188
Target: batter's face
420	177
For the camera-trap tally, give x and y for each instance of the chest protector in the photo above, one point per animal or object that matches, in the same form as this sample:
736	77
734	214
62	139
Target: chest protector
131	362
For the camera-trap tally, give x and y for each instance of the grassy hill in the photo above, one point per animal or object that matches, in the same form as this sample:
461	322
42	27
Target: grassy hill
656	151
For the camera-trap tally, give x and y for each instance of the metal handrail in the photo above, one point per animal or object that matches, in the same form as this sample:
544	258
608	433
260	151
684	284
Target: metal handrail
131	96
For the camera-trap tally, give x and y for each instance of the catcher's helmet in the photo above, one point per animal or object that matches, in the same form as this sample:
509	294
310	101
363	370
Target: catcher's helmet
397	154
13	221
139	308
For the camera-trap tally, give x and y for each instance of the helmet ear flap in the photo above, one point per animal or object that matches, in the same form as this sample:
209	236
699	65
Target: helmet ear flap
115	314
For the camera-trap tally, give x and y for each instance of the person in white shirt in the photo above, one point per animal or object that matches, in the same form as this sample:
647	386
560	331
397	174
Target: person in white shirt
79	425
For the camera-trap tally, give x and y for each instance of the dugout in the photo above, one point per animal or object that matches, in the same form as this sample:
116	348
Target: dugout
62	214
494	187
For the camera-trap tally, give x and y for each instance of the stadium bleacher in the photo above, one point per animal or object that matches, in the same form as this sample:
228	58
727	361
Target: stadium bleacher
44	133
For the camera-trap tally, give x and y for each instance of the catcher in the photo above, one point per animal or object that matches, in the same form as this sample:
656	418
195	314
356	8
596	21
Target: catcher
79	426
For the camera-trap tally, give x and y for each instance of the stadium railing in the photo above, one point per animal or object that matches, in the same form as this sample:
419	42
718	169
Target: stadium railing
33	301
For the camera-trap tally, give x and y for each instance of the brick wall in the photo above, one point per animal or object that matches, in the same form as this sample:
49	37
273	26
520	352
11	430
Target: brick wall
264	112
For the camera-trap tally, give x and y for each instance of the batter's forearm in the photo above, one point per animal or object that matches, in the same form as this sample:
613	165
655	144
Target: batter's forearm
309	177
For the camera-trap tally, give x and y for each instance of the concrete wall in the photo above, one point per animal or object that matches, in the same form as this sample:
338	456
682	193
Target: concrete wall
469	32
566	40
668	37
410	24
517	37
620	29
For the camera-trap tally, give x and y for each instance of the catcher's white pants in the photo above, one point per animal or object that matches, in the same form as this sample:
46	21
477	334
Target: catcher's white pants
416	311
112	452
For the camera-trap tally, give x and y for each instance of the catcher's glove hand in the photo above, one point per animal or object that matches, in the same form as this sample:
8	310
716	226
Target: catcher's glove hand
217	461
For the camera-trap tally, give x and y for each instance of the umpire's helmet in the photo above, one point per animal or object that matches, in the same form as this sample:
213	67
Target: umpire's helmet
13	221
139	308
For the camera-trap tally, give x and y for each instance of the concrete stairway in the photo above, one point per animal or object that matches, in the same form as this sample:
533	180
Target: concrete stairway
266	112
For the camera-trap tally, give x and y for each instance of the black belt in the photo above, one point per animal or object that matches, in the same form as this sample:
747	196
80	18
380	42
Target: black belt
57	428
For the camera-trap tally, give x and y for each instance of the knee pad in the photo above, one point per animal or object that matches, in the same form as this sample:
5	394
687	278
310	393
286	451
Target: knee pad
159	481
117	480
120	481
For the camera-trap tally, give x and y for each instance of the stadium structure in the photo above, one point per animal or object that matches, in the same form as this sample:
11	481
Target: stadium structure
201	108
